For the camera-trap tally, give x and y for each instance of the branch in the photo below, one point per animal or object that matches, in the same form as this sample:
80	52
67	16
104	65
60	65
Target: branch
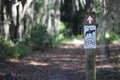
26	6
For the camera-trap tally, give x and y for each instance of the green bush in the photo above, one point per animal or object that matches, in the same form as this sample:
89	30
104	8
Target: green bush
20	50
12	50
38	35
110	37
6	50
63	28
60	36
63	35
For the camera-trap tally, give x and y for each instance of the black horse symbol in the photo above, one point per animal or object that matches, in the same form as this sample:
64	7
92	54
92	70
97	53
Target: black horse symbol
89	32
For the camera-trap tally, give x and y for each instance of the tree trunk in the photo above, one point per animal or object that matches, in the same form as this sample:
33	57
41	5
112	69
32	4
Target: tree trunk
0	10
57	17
0	18
7	17
20	21
90	5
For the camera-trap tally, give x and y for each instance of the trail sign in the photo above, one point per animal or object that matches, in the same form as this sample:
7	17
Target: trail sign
89	36
90	31
90	19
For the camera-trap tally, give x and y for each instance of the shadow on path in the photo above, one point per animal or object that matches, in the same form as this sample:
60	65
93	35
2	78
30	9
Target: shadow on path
64	63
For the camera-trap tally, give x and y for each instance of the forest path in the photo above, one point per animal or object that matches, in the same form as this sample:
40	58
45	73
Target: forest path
64	63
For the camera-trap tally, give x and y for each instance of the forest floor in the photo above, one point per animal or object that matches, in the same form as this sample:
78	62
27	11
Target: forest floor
62	63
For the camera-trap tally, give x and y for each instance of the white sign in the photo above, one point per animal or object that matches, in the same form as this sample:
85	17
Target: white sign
89	36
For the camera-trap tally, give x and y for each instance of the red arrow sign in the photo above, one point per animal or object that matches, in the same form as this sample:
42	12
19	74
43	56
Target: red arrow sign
90	19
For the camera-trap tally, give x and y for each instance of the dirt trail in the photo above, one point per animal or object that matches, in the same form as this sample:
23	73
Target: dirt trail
64	63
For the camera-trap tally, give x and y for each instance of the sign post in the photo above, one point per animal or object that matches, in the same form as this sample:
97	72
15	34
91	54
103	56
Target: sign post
90	45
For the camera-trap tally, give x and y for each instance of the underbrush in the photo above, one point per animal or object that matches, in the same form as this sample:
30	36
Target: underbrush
11	50
38	40
108	38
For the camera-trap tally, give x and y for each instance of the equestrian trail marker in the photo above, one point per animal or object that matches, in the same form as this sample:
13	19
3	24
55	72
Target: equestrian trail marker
89	31
89	37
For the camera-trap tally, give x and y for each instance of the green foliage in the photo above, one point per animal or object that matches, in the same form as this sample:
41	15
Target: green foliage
110	37
38	35
63	36
60	36
10	49
63	28
6	50
38	5
20	50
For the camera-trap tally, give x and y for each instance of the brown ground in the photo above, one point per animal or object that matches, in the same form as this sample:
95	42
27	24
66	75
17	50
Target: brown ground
64	63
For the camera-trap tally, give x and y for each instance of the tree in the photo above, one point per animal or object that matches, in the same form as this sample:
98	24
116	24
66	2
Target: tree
12	17
72	13
19	17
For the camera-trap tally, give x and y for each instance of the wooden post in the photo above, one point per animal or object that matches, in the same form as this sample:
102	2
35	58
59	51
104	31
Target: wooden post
90	45
90	64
